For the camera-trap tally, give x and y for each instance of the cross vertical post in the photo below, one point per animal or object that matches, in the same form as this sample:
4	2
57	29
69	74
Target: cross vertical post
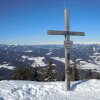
67	51
67	44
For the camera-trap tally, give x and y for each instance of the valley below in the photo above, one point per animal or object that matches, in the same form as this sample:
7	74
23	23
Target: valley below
85	57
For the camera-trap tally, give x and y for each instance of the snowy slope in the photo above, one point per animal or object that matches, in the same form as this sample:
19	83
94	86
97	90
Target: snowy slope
7	66
37	60
28	90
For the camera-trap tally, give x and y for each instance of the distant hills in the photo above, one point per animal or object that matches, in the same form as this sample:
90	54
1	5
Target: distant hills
86	55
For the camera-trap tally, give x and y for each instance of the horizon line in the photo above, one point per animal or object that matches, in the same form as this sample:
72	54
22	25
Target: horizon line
54	43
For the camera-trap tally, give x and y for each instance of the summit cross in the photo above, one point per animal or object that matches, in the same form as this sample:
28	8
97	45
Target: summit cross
67	44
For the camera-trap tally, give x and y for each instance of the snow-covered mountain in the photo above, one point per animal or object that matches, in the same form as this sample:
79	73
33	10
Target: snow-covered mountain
12	57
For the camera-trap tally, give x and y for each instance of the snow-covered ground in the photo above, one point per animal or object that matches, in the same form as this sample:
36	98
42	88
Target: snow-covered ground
83	64
37	60
7	66
28	51
50	51
59	59
29	90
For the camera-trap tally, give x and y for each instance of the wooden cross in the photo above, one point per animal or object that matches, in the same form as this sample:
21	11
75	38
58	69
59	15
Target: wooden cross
68	44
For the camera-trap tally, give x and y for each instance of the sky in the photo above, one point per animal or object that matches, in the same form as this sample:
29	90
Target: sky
27	21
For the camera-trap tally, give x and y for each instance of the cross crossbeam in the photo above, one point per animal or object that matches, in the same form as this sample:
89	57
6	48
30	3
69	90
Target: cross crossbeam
56	32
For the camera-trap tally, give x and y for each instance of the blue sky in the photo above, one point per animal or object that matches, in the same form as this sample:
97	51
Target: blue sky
27	21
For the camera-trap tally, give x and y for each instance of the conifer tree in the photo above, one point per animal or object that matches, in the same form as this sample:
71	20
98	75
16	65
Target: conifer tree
51	74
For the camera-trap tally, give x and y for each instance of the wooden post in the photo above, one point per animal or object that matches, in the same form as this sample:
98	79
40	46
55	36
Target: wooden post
67	52
68	45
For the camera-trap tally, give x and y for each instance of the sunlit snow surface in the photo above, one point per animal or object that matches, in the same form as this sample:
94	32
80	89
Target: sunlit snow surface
37	60
50	52
84	64
7	66
28	90
29	51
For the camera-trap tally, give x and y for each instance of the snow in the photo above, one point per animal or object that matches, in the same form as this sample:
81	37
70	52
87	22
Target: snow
37	60
95	64
24	57
28	51
61	43
94	49
90	66
49	53
96	54
7	66
30	90
49	43
8	46
60	59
